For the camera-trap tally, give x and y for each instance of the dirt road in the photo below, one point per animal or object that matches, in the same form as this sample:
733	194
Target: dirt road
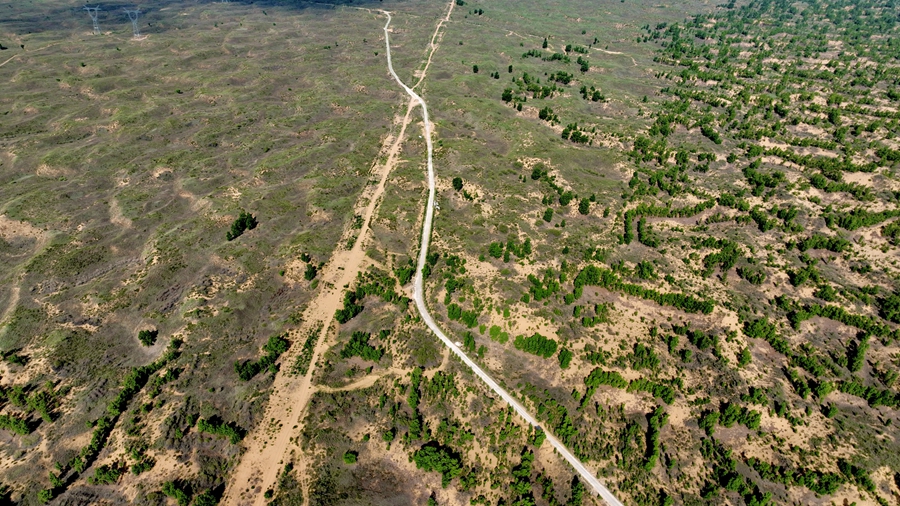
419	296
270	443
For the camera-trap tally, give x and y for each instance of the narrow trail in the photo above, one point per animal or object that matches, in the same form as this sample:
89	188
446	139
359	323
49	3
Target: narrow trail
270	444
32	51
419	297
364	382
433	45
357	385
616	53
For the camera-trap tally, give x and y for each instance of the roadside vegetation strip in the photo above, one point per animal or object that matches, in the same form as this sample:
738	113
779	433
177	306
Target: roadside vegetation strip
419	296
596	276
301	363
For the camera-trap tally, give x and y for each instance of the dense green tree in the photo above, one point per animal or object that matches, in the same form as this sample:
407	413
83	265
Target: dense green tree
890	307
244	222
148	337
433	456
536	344
584	206
359	346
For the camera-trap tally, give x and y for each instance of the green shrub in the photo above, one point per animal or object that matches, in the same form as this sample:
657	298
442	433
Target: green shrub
179	491
536	344
206	499
595	276
565	358
817	481
664	392
753	275
655	420
350	309
645	270
218	427
433	456
856	354
541	289
274	348
14	424
819	241
762	329
148	337
497	334
584	206
891	232
643	357
359	346
890	307
244	222
107	474
456	313
45	495
744	357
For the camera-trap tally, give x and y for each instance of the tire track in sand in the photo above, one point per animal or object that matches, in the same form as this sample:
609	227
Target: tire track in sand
267	447
270	443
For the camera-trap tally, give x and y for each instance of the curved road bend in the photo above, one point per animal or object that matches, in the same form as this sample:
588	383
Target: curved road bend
419	295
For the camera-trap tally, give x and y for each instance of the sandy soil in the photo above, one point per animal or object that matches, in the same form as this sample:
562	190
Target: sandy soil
258	469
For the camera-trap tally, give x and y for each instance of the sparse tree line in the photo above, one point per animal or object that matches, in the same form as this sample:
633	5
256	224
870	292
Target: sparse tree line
131	386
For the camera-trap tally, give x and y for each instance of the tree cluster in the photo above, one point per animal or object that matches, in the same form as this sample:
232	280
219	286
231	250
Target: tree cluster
245	221
274	348
433	456
359	346
536	344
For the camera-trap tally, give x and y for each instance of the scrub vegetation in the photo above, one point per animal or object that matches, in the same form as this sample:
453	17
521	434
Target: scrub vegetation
671	231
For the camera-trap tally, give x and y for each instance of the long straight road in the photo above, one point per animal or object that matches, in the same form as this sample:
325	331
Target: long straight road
419	296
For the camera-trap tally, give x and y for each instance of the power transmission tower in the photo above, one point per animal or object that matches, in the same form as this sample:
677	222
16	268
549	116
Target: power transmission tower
94	13
133	16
